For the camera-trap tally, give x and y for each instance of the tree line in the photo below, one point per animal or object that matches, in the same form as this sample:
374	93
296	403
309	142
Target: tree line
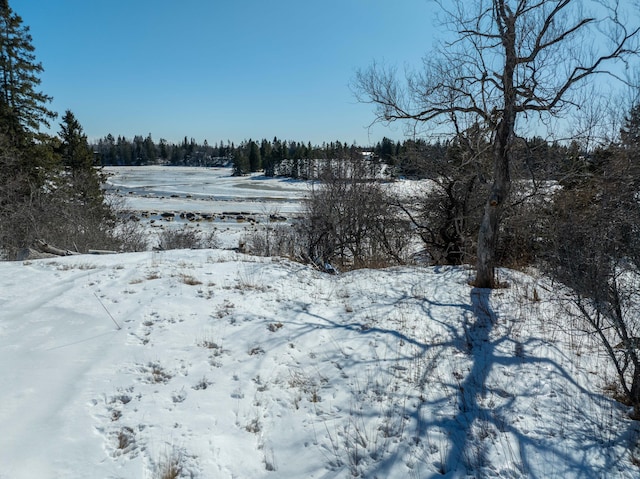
248	156
409	158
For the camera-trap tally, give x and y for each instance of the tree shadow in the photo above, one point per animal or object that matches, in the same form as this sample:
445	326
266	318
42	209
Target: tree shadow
474	336
466	453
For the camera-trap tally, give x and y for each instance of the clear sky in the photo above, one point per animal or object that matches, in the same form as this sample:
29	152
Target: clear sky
222	69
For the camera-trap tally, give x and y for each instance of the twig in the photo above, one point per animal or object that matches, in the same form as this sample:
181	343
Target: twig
105	308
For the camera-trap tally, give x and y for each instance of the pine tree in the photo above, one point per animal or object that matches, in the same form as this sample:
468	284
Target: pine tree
125	151
74	149
267	158
164	154
50	188
386	151
78	192
150	152
255	161
22	107
240	163
630	131
84	180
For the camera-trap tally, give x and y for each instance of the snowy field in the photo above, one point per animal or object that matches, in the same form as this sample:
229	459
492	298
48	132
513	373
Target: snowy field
225	365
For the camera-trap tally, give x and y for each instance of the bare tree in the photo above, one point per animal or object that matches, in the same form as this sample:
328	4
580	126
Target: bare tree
509	60
350	220
446	214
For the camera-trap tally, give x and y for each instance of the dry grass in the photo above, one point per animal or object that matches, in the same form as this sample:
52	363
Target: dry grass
125	438
73	266
190	280
155	373
170	466
153	275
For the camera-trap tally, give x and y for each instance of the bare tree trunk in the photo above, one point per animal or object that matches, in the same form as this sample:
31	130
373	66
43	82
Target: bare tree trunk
489	227
505	132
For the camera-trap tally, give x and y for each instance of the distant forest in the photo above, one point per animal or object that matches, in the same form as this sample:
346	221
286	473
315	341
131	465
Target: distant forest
414	159
248	156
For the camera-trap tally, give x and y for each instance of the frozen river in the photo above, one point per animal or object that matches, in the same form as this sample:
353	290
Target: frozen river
204	190
206	198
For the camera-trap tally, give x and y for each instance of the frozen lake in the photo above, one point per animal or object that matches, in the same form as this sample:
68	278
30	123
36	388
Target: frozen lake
206	198
204	190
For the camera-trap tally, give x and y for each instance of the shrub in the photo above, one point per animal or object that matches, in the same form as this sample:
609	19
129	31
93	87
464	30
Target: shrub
186	238
274	239
447	217
592	248
131	236
350	220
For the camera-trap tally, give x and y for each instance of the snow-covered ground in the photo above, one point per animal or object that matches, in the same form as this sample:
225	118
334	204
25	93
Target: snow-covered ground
233	366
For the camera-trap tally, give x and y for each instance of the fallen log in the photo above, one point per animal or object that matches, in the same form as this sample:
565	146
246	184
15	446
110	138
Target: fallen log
44	247
27	254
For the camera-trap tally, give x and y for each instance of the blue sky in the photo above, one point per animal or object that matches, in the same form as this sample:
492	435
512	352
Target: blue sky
222	69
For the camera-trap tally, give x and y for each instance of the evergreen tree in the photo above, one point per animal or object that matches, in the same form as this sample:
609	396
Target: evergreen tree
125	152
74	149
164	155
630	131
84	181
150	149
240	163
386	151
139	151
267	158
110	154
255	161
22	107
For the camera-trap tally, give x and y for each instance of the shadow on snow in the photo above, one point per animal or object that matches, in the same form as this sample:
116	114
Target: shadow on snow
467	451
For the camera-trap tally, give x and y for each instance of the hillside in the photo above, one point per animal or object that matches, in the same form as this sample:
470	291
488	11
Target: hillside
232	366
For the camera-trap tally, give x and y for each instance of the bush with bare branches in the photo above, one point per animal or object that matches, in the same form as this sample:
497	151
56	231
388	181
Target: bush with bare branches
351	221
593	249
186	238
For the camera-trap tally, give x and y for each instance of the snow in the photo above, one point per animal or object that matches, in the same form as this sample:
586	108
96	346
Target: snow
212	190
150	190
236	366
